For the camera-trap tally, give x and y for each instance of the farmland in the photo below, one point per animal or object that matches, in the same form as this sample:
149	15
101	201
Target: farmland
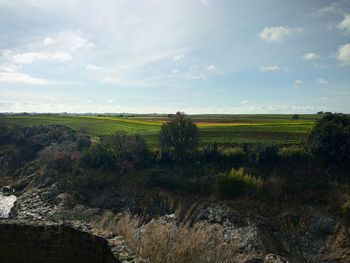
221	129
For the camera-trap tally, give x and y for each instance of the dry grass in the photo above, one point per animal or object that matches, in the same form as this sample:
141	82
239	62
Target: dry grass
160	242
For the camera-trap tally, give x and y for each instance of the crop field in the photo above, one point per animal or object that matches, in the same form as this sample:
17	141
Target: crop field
221	129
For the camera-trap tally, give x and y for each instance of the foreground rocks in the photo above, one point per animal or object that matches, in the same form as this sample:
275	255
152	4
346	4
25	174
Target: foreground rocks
46	207
263	234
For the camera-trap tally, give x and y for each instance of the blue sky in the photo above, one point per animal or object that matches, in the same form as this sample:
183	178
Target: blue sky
197	56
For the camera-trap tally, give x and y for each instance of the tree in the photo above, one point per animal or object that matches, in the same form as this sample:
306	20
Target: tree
179	136
295	117
330	139
128	151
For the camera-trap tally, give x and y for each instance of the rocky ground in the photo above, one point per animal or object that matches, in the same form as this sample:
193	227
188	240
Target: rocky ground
307	234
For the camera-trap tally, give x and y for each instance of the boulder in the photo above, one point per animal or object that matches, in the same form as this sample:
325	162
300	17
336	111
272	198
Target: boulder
273	258
7	190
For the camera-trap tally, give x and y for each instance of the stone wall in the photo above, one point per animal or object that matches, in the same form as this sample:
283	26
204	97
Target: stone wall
26	243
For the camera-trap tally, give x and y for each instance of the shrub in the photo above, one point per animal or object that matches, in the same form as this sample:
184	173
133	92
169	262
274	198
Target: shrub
330	139
128	151
235	155
61	157
294	154
238	182
38	137
98	157
83	142
9	134
209	152
346	211
267	155
273	188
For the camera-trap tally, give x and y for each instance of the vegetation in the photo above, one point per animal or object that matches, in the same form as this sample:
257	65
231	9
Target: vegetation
268	171
228	130
159	241
287	172
295	117
330	139
346	211
238	182
179	137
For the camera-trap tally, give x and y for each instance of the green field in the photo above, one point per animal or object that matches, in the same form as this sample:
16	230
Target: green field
223	129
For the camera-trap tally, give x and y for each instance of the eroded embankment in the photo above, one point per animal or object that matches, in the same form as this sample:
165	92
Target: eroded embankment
299	233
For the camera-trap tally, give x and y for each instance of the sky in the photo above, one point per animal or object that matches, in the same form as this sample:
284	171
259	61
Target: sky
163	56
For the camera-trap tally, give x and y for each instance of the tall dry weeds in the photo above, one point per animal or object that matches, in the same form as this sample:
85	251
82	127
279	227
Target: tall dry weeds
159	241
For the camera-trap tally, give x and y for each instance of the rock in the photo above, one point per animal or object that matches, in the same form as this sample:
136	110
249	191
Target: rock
254	260
322	225
246	237
22	184
48	196
7	190
171	218
273	258
219	214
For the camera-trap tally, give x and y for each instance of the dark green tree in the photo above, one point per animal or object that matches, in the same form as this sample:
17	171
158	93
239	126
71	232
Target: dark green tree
128	151
179	136
330	139
295	117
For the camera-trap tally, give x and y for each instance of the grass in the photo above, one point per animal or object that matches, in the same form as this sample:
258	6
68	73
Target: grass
221	129
159	241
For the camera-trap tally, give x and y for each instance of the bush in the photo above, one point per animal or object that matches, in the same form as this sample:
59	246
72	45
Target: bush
294	154
267	155
83	142
238	182
346	211
61	157
330	139
128	151
235	155
273	188
98	157
209	152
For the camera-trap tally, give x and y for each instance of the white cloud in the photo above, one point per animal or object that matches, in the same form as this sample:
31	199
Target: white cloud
211	67
18	77
127	82
30	57
206	3
298	83
195	76
92	67
68	40
343	54
345	24
310	56
48	41
112	100
322	81
245	102
178	57
278	33
270	68
78	41
327	9
8	68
